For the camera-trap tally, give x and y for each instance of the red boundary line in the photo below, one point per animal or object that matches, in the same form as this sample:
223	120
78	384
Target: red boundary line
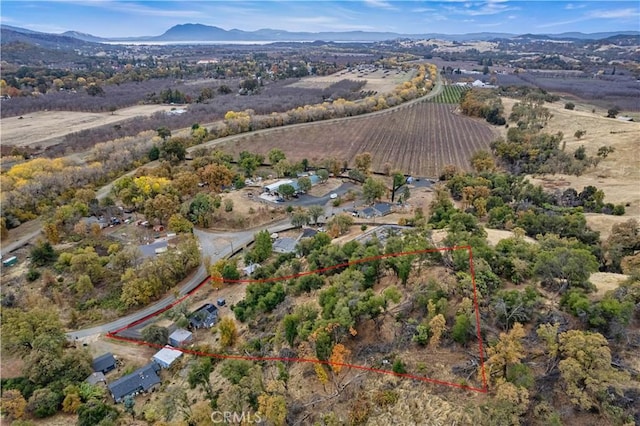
113	334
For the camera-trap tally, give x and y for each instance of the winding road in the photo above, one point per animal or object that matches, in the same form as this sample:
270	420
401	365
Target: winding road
214	245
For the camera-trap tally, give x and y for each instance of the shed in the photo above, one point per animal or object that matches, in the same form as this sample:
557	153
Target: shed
96	378
144	379
10	261
180	337
166	356
104	363
250	269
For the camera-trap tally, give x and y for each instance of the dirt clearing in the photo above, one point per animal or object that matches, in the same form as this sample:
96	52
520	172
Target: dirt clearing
605	281
39	130
378	80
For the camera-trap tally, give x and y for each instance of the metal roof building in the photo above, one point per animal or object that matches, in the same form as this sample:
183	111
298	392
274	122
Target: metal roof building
166	356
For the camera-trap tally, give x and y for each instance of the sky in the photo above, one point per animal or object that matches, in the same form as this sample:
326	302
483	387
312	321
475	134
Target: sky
121	18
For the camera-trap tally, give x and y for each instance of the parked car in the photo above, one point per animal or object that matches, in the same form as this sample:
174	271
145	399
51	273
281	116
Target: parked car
333	196
221	302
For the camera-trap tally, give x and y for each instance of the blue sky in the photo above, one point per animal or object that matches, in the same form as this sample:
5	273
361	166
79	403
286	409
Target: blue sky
119	18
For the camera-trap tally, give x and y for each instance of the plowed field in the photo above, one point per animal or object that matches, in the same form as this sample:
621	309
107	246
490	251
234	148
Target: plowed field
418	139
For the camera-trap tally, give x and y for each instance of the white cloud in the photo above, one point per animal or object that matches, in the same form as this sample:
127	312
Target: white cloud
492	7
573	6
614	14
379	4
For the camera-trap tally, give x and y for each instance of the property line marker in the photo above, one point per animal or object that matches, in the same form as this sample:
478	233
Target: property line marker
114	334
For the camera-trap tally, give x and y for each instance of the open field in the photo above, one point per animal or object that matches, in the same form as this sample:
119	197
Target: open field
378	80
46	128
618	175
417	139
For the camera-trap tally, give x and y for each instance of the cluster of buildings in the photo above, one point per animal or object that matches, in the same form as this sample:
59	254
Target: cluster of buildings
147	378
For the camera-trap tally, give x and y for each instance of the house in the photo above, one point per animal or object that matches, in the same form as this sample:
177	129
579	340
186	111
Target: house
382	208
204	317
180	337
102	222
144	379
285	245
166	356
368	213
273	188
104	363
96	378
153	249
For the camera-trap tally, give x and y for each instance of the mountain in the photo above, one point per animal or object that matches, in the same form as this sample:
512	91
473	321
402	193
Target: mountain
84	37
206	33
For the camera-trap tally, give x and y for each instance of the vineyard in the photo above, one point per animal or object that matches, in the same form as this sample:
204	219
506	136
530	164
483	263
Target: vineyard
450	95
418	139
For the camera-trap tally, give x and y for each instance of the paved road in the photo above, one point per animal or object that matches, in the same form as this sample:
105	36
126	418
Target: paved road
215	246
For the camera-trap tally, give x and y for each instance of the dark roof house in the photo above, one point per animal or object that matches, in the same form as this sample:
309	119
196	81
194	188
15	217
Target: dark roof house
104	363
383	208
143	379
204	317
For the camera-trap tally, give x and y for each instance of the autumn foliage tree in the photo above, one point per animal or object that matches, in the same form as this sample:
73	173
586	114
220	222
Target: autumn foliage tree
508	351
586	368
228	332
339	355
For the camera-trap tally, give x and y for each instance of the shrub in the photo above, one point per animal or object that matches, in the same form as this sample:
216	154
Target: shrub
398	367
569	105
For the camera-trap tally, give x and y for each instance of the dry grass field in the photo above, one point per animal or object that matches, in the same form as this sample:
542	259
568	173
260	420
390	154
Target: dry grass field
46	128
618	175
381	81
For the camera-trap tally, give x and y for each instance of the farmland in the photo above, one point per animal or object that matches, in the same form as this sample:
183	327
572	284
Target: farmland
418	139
450	95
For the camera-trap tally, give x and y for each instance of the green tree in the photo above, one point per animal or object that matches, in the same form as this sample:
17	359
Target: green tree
201	209
262	247
249	162
315	211
173	150
305	183
44	402
21	329
460	331
43	253
275	155
95	412
286	190
373	190
199	375
178	223
563	265
300	217
156	334
164	132
290	324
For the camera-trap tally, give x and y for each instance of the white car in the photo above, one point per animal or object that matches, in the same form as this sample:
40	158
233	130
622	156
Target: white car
333	196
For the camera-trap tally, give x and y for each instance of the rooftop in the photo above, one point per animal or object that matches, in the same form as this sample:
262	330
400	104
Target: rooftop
167	355
141	380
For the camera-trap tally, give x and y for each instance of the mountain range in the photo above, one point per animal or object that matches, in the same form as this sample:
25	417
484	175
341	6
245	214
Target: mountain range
205	33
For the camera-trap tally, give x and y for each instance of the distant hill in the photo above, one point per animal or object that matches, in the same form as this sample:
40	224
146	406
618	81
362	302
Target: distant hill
202	33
